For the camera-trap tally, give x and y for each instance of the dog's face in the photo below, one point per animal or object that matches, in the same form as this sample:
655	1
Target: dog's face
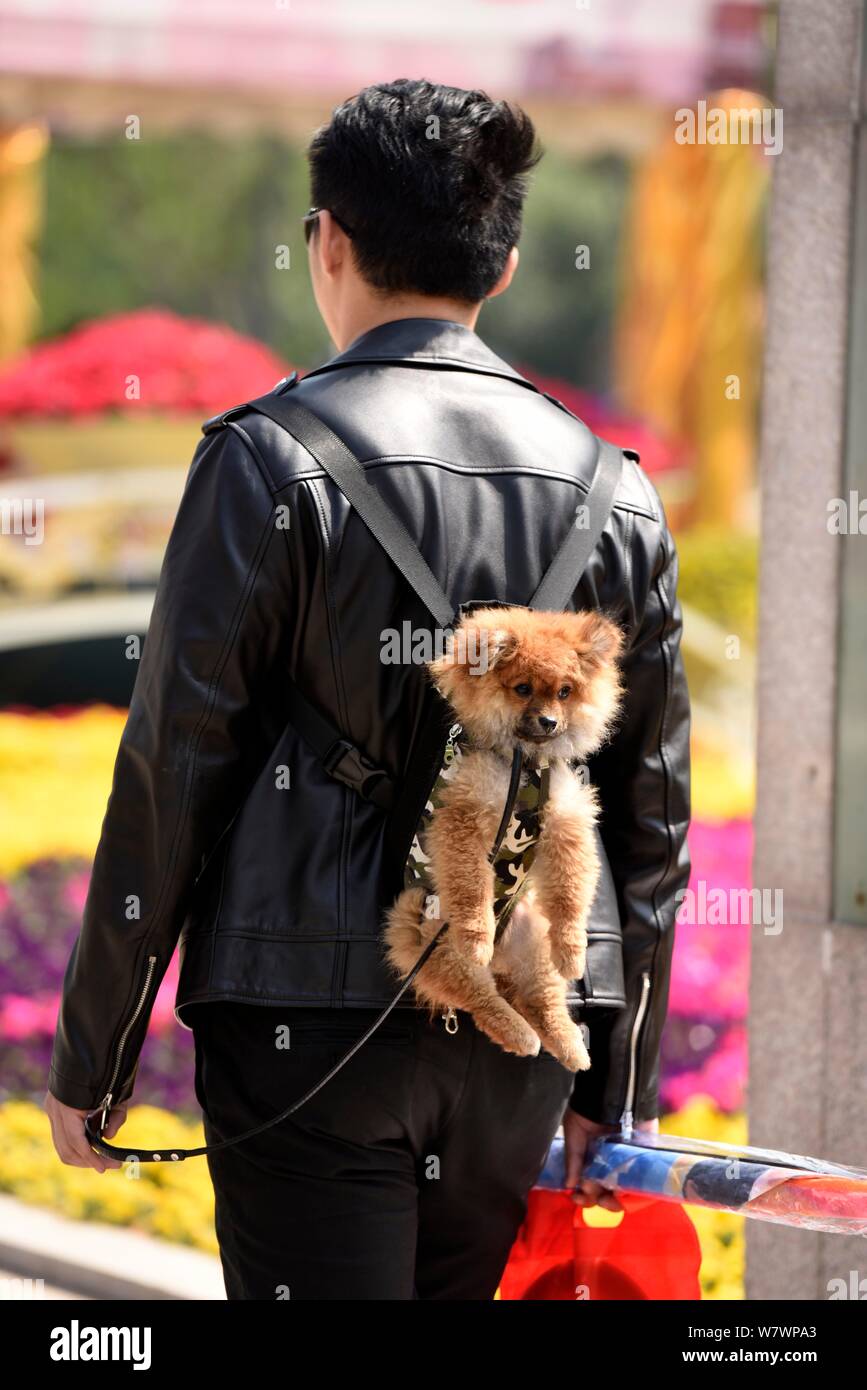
546	682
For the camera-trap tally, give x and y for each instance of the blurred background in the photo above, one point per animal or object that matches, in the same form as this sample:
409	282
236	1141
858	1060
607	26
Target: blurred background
151	166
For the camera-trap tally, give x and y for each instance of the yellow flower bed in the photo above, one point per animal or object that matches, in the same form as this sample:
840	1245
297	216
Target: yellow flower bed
175	1200
720	1233
55	778
722	782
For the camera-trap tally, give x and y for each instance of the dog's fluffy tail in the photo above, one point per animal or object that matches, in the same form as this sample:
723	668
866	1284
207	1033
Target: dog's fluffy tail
407	932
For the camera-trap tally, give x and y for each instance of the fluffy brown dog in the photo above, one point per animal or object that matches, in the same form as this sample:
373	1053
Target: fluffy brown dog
549	684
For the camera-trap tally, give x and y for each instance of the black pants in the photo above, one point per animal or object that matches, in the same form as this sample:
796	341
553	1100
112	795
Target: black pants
405	1177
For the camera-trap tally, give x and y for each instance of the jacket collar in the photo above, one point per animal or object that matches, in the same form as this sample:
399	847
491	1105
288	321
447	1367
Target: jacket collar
438	341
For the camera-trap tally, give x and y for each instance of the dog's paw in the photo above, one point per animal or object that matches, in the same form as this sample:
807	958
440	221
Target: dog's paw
519	1038
570	1050
576	1058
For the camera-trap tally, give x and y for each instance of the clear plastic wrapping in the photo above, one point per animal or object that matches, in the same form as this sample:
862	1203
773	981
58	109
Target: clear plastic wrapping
769	1184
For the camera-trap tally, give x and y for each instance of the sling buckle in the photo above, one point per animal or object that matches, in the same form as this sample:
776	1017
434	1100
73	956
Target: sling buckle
346	764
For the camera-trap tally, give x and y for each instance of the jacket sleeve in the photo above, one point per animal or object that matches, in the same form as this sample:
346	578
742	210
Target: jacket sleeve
217	621
643	776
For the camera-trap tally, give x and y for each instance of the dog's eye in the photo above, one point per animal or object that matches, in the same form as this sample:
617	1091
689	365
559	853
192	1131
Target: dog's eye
523	689
564	692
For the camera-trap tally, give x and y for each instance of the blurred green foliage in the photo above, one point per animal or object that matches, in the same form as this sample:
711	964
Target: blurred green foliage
556	317
719	577
191	223
187	223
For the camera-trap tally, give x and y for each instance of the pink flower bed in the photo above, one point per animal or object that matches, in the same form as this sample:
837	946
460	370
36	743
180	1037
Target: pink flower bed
704	1048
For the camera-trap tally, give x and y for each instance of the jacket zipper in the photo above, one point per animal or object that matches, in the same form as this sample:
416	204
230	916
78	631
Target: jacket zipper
106	1102
626	1121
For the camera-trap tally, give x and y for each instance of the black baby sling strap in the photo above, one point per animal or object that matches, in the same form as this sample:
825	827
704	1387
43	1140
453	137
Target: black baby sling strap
341	758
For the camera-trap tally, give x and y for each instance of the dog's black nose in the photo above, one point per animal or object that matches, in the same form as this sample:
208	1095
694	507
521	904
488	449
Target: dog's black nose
547	723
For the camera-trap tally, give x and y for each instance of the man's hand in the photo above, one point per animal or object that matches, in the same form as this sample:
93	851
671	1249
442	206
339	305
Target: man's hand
577	1133
70	1140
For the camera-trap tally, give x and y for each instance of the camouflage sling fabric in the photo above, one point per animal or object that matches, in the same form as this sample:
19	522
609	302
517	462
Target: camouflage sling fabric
517	849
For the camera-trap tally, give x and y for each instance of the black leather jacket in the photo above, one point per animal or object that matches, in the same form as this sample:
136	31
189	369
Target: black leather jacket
226	838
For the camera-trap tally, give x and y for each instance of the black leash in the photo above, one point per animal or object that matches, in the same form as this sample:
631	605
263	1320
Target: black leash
106	1150
101	1146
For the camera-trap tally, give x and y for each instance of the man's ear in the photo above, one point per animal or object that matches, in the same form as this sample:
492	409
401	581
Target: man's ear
505	279
332	243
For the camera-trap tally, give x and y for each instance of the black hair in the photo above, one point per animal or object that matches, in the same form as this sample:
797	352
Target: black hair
431	180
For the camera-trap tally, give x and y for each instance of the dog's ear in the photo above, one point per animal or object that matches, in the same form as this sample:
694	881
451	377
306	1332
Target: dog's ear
446	668
497	646
475	647
600	641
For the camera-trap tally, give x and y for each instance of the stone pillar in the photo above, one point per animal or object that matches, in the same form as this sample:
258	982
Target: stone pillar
808	1020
